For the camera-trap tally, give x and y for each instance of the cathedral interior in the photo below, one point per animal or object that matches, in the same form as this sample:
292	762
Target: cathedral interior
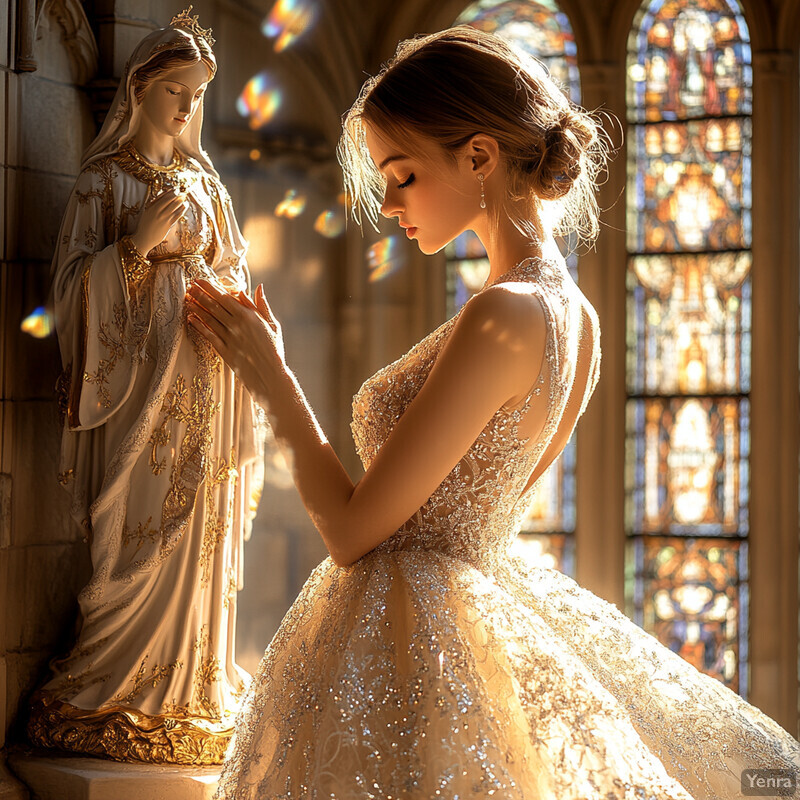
677	499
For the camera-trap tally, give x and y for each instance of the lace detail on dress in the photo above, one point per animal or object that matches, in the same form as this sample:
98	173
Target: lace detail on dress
478	509
439	666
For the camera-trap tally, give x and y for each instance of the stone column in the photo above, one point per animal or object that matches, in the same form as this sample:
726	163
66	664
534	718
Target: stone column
775	438
600	534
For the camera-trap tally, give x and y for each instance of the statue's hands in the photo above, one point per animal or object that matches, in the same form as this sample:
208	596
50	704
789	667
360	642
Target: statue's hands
246	334
157	220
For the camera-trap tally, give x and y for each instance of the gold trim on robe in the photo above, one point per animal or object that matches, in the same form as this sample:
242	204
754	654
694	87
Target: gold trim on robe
161	455
125	734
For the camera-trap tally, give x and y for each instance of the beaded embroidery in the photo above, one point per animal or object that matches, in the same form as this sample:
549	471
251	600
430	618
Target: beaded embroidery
500	461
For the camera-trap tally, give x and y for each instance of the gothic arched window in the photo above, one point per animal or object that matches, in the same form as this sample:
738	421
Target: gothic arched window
540	28
689	97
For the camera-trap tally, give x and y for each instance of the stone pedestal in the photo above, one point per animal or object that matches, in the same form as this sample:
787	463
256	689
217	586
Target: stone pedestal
10	787
74	778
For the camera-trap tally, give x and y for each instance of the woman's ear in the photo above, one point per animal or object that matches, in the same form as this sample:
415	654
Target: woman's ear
484	153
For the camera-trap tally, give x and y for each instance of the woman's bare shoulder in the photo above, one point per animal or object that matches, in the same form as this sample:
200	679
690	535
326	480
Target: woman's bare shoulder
514	306
505	324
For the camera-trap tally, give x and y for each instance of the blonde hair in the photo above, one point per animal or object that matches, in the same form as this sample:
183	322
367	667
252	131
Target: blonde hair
451	85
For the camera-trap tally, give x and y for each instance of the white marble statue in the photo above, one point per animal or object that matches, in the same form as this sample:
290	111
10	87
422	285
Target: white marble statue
162	444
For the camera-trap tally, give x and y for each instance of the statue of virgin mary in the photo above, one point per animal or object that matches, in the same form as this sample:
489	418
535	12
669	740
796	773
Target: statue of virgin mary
162	446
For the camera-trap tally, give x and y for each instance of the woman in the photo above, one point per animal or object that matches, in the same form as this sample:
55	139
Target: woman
160	446
421	660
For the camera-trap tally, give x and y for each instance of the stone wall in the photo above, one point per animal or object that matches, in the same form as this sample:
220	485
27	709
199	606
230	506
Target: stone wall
36	536
47	122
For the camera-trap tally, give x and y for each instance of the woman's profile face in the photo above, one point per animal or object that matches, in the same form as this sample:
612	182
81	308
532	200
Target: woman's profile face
172	99
435	200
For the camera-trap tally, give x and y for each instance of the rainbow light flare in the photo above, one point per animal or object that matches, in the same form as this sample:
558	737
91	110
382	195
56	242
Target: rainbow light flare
39	323
384	257
330	223
288	21
292	205
259	100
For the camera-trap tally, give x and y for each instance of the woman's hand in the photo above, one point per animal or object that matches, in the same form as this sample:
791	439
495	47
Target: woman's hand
158	219
246	335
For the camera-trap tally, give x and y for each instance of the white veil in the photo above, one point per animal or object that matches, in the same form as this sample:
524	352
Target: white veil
123	117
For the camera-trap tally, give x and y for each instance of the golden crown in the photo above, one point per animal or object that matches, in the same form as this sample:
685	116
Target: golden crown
192	26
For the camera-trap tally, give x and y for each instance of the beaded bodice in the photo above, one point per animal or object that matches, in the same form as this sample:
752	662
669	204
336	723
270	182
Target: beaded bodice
478	509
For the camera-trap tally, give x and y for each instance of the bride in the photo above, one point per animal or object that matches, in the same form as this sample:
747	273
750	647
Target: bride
422	659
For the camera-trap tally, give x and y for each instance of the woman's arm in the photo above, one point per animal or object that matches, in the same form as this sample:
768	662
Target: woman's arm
493	354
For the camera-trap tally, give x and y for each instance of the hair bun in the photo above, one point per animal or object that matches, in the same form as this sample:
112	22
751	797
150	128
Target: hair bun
559	158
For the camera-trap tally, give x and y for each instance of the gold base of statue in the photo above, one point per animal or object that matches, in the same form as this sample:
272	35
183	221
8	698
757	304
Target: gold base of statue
125	734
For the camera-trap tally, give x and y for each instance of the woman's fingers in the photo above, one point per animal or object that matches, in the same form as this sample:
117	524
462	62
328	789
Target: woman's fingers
261	303
174	217
204	292
200	325
163	200
166	201
173	204
207	317
263	306
210	314
203	286
245	300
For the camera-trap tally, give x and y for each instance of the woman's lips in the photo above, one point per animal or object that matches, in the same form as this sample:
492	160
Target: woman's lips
410	232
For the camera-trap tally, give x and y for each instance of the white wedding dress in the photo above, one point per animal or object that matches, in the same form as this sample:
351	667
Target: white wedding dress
440	666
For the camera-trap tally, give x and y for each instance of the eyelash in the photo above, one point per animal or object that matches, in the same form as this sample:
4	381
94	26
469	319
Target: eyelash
407	182
171	91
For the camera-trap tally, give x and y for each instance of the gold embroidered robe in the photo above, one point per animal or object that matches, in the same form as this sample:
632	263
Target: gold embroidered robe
162	456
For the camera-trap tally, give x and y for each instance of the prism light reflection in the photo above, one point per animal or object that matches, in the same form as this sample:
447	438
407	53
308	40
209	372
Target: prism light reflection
292	205
330	223
288	21
39	323
384	257
259	101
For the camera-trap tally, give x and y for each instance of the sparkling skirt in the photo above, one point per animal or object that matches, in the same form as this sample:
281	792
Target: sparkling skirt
415	674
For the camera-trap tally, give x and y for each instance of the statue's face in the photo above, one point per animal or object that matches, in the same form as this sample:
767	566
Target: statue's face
172	99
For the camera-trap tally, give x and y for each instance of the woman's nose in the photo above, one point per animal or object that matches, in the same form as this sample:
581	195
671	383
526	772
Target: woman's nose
390	207
186	104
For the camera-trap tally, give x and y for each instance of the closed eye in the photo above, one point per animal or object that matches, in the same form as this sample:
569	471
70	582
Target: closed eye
172	91
406	182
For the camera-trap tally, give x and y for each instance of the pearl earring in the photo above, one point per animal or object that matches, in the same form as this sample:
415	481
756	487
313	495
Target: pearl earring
483	196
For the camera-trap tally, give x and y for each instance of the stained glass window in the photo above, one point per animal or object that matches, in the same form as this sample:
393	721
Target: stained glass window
690	186
689	306
541	29
692	594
